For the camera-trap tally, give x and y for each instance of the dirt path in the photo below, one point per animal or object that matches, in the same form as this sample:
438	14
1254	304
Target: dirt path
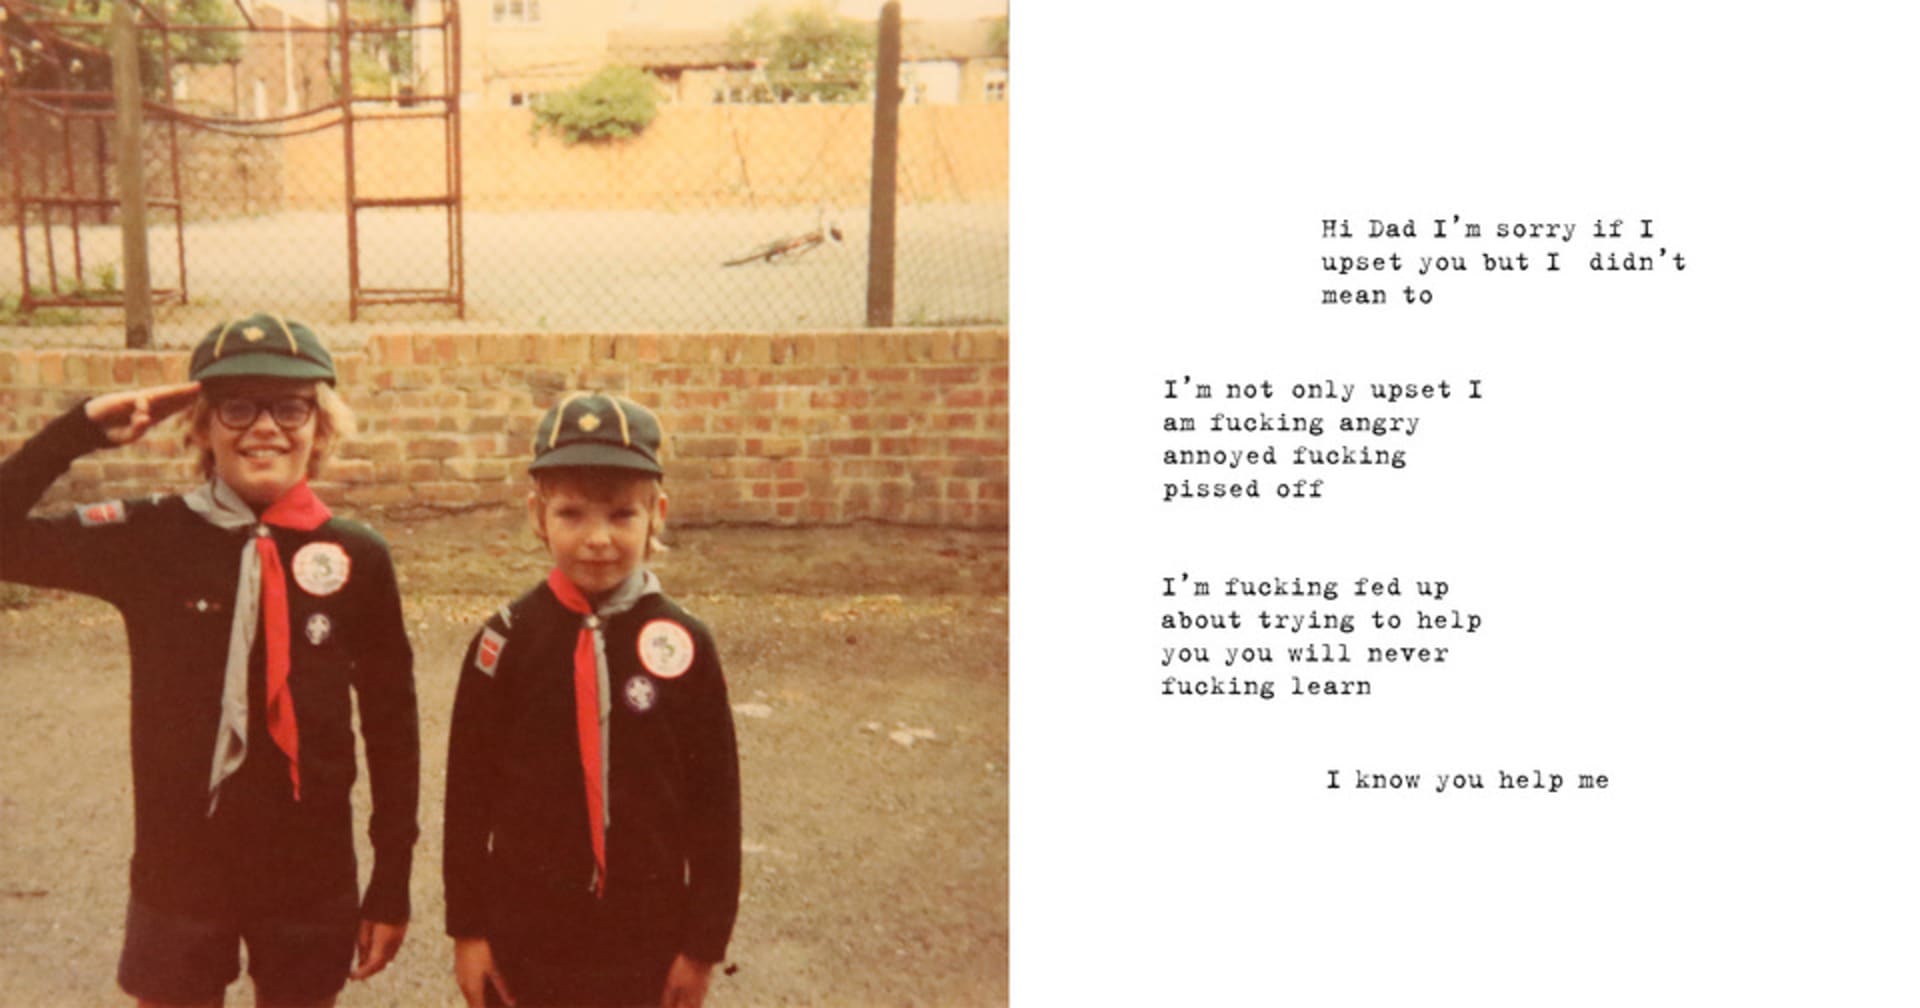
867	668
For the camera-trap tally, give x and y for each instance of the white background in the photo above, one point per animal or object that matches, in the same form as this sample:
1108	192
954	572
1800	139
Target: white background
1684	509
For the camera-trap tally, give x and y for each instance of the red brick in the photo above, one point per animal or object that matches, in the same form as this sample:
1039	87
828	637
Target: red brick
563	348
387	350
636	349
774	447
344	470
706	446
50	370
433	448
446	494
948	375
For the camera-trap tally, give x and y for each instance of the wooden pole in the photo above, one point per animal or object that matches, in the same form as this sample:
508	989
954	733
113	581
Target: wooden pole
130	160
886	157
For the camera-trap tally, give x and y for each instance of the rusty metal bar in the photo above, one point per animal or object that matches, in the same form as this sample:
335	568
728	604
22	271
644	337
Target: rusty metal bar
346	125
135	283
456	223
886	156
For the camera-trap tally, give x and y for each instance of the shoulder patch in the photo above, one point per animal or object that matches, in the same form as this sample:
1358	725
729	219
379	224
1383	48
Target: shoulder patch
111	512
666	648
486	657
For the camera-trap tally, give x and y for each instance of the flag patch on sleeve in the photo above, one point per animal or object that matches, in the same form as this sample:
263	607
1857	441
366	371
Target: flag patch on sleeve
111	512
487	658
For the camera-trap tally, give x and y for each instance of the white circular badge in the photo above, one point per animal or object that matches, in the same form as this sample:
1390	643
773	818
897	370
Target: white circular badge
321	568
638	694
666	649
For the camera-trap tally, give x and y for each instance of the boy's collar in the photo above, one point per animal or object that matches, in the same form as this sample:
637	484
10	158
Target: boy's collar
619	599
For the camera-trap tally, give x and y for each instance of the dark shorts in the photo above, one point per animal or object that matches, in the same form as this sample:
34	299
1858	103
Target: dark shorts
296	956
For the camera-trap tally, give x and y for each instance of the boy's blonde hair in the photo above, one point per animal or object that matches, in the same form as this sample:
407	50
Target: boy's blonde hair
333	424
602	484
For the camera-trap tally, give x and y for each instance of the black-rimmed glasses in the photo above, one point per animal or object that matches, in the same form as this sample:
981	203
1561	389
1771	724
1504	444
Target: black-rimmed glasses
290	412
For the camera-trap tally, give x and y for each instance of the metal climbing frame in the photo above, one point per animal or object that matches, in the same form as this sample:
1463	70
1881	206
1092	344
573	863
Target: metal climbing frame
444	107
50	59
45	107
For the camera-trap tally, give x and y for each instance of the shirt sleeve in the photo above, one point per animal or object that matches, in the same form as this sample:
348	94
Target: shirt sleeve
713	786
472	779
83	550
390	730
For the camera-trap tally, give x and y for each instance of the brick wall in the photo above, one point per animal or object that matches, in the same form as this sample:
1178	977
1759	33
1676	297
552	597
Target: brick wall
792	429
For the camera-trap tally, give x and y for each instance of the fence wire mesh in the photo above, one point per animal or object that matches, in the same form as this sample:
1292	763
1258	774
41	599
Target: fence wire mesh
744	204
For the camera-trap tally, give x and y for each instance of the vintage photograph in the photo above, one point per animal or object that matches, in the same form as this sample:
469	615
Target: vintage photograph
504	504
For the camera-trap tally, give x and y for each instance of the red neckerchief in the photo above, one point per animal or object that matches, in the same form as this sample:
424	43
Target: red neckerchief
297	509
586	707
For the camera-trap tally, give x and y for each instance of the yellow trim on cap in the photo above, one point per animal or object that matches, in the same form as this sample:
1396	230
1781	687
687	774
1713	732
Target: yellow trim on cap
560	417
220	344
626	435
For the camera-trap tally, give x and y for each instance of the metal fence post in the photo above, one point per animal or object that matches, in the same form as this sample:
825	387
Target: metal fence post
130	158
886	157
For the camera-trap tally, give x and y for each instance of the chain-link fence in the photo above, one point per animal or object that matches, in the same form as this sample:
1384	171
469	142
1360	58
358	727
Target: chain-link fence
447	193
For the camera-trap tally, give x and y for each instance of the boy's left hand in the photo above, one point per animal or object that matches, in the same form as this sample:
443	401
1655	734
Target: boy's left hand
377	946
686	983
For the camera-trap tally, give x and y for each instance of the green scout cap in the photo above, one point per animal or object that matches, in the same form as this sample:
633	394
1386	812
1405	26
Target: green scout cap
596	429
261	346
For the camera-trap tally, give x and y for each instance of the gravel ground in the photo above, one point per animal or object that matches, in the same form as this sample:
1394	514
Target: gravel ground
867	668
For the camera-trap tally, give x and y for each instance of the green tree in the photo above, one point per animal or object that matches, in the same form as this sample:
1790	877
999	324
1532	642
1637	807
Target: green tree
616	102
997	37
810	53
75	57
382	60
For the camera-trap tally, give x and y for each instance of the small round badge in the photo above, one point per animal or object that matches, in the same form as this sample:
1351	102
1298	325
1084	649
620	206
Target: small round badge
319	628
666	649
638	694
321	568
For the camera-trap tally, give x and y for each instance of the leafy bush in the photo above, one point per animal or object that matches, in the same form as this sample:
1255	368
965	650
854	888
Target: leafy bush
806	54
616	102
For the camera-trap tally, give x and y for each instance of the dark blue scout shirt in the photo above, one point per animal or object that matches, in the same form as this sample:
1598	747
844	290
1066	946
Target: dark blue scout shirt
173	575
519	852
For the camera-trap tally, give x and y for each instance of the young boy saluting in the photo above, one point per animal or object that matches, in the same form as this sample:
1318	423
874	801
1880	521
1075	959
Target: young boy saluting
593	789
254	618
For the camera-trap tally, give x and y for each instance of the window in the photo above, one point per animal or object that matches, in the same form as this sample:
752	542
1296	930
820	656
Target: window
519	98
996	85
516	12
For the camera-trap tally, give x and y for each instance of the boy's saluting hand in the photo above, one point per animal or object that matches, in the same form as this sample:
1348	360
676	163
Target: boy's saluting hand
125	416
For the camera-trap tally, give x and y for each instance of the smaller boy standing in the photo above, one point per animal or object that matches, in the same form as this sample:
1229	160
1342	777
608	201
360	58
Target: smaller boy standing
593	787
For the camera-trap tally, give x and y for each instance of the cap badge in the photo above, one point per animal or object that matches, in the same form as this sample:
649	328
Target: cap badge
321	568
254	333
589	423
666	649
